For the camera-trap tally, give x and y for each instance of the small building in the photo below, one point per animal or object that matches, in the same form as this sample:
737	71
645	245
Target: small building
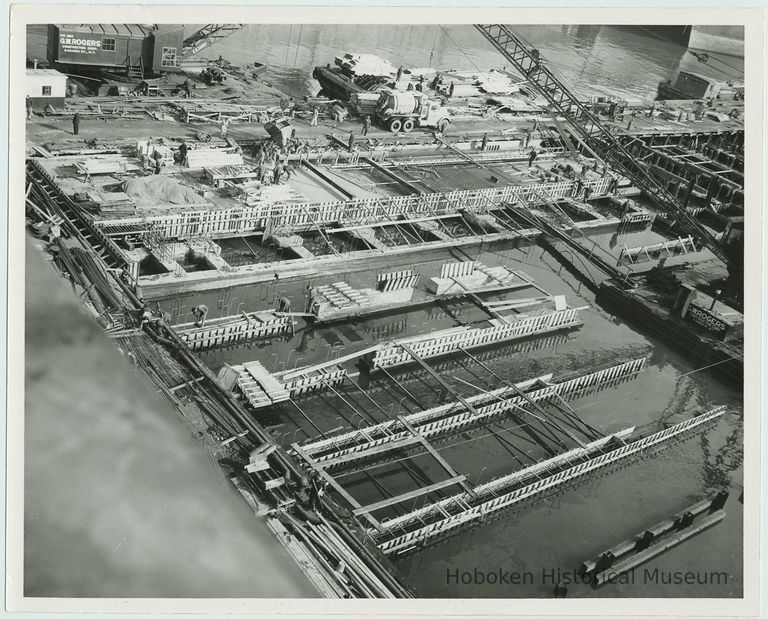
45	86
138	50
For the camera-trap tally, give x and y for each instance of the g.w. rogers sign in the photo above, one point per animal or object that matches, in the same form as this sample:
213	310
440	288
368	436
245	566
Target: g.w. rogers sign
78	44
706	320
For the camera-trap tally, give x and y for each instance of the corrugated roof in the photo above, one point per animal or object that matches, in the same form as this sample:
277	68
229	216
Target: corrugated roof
41	72
137	31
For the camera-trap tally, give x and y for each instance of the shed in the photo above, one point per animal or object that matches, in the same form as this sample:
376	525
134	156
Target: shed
45	86
138	48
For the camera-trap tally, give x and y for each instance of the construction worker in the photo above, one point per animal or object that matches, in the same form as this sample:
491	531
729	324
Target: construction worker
699	110
450	90
283	304
366	124
279	169
351	143
484	143
158	161
532	157
535	58
29	107
187	92
76	123
311	298
224	129
315	115
399	73
317	488
183	148
200	312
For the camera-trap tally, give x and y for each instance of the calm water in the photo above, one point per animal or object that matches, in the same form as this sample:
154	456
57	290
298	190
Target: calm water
594	60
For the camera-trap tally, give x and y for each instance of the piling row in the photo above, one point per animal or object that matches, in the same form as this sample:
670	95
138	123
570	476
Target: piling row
469	513
392	354
232	329
296	217
496	485
453	416
317	382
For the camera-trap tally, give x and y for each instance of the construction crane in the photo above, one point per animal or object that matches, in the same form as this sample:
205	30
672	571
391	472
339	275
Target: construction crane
528	62
205	37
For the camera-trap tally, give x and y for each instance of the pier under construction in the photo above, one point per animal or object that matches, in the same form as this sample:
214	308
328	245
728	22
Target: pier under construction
361	320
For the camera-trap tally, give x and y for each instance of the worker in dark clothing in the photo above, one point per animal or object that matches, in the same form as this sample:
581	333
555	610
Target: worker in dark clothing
279	170
317	488
532	157
366	125
76	123
484	143
187	92
311	298
283	304
158	161
399	73
200	312
183	148
351	143
29	107
535	58
450	90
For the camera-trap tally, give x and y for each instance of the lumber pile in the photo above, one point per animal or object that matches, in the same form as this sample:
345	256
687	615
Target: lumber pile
213	157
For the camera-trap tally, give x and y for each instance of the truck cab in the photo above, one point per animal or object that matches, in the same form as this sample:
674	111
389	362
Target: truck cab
402	111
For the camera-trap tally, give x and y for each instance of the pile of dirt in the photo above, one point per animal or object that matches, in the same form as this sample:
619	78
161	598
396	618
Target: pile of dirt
151	191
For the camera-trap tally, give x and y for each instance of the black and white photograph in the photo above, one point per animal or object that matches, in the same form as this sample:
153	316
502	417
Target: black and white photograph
394	309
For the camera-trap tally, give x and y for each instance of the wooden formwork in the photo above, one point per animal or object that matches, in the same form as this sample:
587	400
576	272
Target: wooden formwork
453	416
297	217
465	512
232	329
451	340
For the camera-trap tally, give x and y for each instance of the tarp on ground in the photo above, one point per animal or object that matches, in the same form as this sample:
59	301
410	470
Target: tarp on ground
150	191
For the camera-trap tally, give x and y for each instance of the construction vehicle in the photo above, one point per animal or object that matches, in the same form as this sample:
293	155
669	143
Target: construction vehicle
402	111
212	75
591	132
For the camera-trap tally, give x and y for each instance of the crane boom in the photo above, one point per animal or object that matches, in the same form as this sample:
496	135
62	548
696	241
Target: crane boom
205	37
594	133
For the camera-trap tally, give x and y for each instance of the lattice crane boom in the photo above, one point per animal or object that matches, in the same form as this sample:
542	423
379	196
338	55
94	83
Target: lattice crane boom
205	37
594	133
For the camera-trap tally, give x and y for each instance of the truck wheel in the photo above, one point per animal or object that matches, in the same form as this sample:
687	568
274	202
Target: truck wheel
407	125
443	125
395	125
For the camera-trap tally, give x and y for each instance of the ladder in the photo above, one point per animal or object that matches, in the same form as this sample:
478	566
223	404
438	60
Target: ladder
134	70
595	134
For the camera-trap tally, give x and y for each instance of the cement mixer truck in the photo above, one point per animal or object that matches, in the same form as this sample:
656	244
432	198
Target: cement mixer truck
402	111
